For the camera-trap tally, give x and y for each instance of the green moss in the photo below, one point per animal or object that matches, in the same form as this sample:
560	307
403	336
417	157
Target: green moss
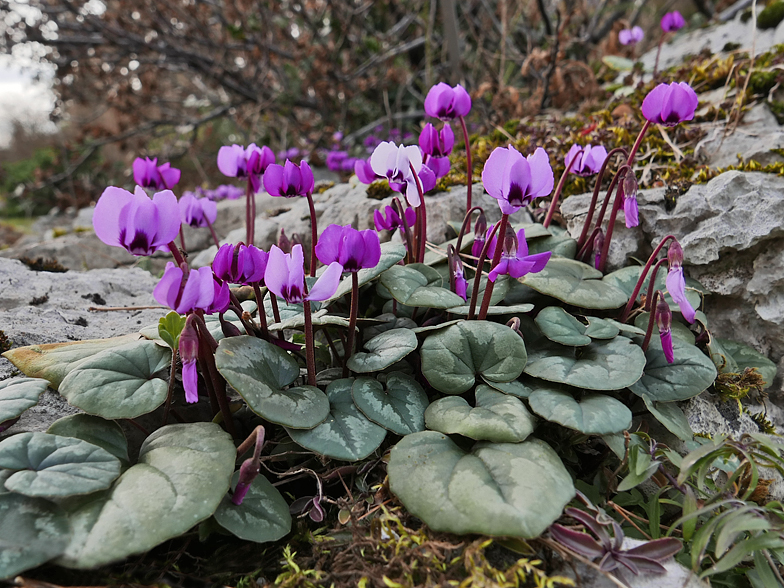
777	108
731	46
771	16
761	82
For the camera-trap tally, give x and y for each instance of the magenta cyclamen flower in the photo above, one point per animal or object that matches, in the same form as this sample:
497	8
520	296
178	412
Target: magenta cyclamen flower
630	36
389	220
514	180
515	260
664	322
446	102
148	174
630	208
672	21
285	276
197	212
189	353
133	221
589	159
670	104
352	249
364	171
395	162
249	162
200	290
436	146
240	264
461	284
676	283
289	180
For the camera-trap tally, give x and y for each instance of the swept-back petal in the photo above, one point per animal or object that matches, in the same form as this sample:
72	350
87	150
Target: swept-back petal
106	217
653	102
229	160
372	248
542	179
493	172
676	286
168	225
327	283
276	275
383	158
461	103
328	246
274	180
190	381
167	289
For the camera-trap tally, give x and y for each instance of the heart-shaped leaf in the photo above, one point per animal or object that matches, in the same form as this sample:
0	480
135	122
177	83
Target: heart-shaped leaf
558	325
318	318
258	371
602	365
690	373
263	515
33	531
105	434
50	466
19	394
398	406
671	416
53	361
721	358
592	414
561	244
599	328
497	417
120	383
383	350
181	477
747	357
346	434
498	489
410	287
573	282
391	253
515	387
452	357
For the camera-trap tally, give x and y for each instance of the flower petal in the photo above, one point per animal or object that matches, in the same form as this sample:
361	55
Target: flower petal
328	246
106	216
542	179
228	159
168	225
274	180
327	283
167	289
190	381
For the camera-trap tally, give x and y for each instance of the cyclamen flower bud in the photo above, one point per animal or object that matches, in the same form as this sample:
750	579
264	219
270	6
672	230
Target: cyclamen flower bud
284	243
248	472
664	322
675	254
189	353
598	244
480	233
630	210
461	284
676	283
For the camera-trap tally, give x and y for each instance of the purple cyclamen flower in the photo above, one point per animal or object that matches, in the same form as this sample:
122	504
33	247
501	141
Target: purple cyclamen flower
197	212
133	221
390	220
352	249
335	160
515	180
395	162
200	290
664	322
480	234
515	260
446	102
630	36
189	353
436	147
240	264
285	276
148	174
670	104
461	284
630	209
676	283
249	162
589	159
672	21
364	171
289	180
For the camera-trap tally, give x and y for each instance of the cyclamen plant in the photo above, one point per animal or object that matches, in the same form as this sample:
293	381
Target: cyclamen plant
400	355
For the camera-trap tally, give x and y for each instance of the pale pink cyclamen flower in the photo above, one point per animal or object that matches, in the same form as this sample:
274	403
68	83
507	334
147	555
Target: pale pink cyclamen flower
630	36
197	212
396	162
515	180
248	162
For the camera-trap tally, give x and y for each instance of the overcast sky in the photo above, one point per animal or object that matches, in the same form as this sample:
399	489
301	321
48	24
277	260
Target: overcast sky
22	98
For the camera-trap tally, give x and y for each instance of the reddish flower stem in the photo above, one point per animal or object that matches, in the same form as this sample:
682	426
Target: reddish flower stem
422	218
463	228
469	164
619	196
559	189
313	235
214	236
637	143
496	258
352	322
641	280
206	346
608	196
651	321
310	348
479	265
596	190
178	258
260	311
652	284
658	52
170	390
585	249
250	220
406	229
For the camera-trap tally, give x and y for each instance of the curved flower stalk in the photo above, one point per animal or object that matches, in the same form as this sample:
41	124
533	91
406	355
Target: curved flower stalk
353	250
136	223
248	162
631	36
664	322
676	283
447	103
148	174
292	180
285	277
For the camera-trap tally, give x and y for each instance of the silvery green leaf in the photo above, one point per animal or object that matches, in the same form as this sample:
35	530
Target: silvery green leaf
575	283
19	394
398	405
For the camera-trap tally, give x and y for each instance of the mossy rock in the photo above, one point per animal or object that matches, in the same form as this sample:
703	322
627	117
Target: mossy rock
771	16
